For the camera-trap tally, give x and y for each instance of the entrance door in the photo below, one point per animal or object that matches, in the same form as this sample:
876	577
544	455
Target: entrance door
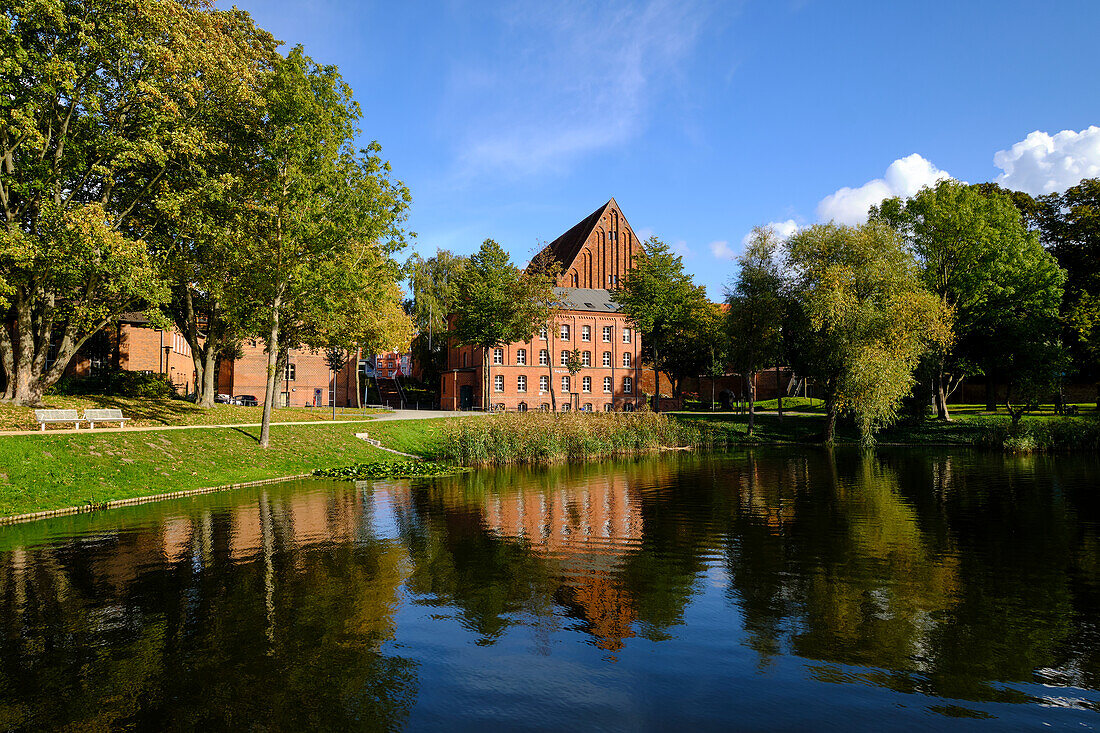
465	397
284	399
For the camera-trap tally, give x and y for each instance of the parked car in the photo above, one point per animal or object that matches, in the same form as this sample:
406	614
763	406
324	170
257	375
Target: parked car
223	399
246	400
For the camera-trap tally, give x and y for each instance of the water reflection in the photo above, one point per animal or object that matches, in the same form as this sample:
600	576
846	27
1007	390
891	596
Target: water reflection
960	581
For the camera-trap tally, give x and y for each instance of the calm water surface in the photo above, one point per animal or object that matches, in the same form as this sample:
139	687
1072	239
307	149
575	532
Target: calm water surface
773	589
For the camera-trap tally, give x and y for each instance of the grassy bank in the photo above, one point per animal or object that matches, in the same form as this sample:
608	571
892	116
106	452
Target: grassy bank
55	471
536	437
155	412
1036	432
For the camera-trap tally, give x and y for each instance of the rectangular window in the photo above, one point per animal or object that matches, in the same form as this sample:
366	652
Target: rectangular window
607	358
586	333
586	358
544	357
628	385
521	357
521	383
498	356
542	333
626	335
626	359
290	372
586	384
498	382
607	334
565	332
607	385
565	384
564	358
544	384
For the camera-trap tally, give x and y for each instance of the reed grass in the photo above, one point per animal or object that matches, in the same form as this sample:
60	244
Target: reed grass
540	437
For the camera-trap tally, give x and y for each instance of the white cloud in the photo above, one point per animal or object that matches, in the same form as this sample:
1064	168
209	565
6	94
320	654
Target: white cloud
1043	163
565	80
681	249
904	177
722	250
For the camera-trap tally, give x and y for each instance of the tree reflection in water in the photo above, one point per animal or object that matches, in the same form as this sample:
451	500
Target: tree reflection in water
950	574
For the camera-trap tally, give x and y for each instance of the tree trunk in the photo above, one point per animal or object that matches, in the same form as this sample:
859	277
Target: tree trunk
778	394
204	372
656	383
829	432
942	412
358	386
750	385
272	361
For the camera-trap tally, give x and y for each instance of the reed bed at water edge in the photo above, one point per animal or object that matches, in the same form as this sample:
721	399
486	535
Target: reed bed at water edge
542	437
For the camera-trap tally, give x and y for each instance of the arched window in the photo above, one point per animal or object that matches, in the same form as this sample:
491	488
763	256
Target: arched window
521	407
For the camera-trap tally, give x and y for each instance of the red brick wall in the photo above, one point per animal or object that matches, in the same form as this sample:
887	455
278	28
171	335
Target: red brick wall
248	375
607	255
511	370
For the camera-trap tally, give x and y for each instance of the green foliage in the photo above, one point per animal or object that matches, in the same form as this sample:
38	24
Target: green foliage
866	319
664	305
116	383
389	469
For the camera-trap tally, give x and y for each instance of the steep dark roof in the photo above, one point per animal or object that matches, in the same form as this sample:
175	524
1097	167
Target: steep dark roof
566	247
133	317
595	300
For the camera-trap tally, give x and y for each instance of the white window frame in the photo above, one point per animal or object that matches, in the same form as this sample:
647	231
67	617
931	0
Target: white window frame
586	358
627	360
563	333
498	356
586	333
542	333
607	385
628	385
544	357
565	384
498	383
607	334
626	336
565	357
607	358
521	357
544	384
521	383
586	384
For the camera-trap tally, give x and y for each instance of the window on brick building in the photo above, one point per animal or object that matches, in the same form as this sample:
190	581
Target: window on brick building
586	333
544	384
586	384
564	358
574	279
607	407
521	407
544	357
564	332
626	359
290	373
521	383
607	358
521	357
542	333
628	385
607	385
626	335
498	356
607	334
586	358
565	384
498	382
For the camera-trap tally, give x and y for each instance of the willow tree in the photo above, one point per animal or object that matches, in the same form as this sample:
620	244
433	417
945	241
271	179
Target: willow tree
326	217
100	101
866	319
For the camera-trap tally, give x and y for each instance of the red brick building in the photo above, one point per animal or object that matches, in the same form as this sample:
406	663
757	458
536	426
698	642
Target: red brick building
594	255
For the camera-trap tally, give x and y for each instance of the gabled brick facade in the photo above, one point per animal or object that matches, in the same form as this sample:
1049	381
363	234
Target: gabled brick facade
595	255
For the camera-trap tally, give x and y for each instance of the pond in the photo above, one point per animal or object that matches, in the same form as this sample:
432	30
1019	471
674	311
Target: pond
766	589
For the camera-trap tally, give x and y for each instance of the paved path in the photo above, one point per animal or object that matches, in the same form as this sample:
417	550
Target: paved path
384	417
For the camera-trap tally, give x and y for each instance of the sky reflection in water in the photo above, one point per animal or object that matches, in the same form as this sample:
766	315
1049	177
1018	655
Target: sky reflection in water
768	589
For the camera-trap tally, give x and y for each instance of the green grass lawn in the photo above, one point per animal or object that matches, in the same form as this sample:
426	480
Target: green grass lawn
157	412
55	471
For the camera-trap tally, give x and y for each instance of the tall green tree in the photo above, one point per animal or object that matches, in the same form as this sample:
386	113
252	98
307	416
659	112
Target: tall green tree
499	304
988	270
756	310
866	319
662	303
99	100
433	284
326	217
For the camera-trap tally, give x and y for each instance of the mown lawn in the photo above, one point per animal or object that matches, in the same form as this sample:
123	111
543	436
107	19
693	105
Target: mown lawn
54	471
156	412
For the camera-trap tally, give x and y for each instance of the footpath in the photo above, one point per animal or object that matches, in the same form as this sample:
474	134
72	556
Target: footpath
385	417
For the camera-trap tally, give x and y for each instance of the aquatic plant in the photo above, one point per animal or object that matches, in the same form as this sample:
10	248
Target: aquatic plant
388	469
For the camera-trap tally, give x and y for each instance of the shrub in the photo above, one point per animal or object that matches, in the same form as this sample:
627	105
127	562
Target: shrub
117	383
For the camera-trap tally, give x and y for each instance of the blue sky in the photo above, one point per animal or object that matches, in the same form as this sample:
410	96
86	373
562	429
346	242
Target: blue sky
703	119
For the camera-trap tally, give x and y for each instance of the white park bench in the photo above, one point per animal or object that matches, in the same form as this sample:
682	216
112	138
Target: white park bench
48	416
110	415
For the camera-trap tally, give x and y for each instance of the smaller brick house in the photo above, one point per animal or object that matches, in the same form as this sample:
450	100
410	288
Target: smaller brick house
132	344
